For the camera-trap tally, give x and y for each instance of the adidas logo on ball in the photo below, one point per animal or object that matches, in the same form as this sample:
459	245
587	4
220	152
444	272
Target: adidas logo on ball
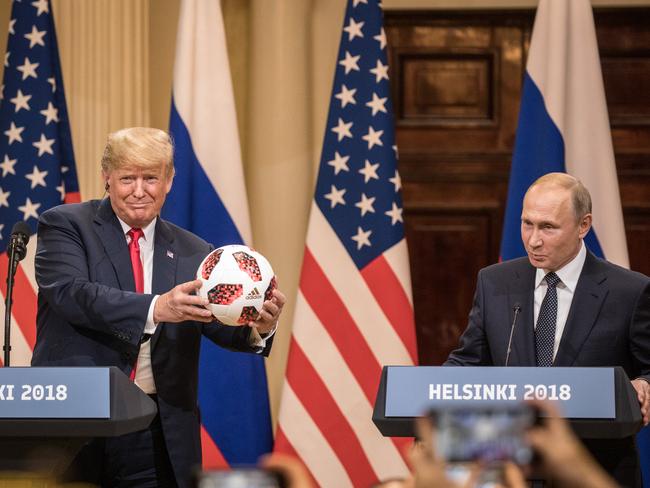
254	295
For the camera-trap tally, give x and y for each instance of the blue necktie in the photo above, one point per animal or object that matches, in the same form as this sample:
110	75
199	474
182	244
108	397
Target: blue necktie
546	321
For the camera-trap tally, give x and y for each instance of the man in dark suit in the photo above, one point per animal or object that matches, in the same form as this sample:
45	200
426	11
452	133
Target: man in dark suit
117	288
574	309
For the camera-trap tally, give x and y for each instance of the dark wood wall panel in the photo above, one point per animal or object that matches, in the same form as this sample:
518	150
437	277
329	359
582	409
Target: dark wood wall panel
456	80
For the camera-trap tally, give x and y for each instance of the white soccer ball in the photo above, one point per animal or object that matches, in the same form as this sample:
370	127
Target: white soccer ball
236	281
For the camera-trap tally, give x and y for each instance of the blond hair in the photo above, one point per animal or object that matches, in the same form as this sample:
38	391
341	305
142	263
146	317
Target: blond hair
143	147
580	197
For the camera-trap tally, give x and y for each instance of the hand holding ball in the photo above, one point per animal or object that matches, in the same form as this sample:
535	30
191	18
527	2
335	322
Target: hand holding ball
236	280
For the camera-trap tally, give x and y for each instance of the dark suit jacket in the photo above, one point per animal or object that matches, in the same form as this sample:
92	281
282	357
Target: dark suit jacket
90	315
608	322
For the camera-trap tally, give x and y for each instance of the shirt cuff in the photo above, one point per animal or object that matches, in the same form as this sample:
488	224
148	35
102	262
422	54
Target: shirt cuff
256	339
150	325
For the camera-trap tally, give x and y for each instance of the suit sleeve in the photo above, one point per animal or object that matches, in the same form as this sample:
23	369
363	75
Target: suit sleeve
640	333
473	349
63	279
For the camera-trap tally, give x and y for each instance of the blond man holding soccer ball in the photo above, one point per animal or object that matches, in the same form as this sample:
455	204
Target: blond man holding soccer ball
117	288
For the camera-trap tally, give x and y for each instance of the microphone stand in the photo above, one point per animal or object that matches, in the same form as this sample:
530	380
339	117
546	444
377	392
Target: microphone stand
13	264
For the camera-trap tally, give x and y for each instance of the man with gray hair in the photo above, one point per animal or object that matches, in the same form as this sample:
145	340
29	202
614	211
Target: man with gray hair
575	309
117	287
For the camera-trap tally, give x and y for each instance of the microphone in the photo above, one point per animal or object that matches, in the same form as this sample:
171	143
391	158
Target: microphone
516	309
17	249
18	240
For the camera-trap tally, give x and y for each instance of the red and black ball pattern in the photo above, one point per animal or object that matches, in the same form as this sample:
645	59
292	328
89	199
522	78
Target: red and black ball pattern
225	294
268	294
248	264
210	263
247	314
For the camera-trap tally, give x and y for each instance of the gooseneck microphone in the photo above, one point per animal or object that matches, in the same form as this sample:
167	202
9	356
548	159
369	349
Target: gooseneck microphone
516	309
17	250
18	240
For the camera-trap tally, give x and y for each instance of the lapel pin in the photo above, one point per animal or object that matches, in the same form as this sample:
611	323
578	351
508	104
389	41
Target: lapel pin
170	254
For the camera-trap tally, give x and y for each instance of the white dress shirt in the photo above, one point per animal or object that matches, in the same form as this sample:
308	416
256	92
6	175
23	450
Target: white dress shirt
569	275
144	373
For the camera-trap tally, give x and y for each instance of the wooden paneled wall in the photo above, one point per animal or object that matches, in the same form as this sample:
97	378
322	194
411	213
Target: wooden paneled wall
457	80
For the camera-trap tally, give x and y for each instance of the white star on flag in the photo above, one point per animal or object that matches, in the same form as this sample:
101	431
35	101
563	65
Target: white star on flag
397	181
36	37
380	71
8	166
20	101
373	137
377	104
14	133
61	190
42	7
2	226
12	22
381	38
4	198
350	62
354	29
395	214
28	69
52	81
36	177
335	196
44	145
7	54
366	204
369	171
357	2
362	238
339	163
346	96
29	209
51	113
342	129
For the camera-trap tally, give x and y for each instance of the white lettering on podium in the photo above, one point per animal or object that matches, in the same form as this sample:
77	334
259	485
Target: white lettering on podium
469	392
6	392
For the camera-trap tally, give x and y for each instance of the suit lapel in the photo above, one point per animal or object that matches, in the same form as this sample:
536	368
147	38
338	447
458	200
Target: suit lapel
112	238
165	260
522	294
588	299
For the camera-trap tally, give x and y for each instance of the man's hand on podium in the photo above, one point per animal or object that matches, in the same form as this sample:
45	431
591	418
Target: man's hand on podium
642	388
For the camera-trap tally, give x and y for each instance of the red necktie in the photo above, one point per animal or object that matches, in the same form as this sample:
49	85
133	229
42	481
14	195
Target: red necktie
138	272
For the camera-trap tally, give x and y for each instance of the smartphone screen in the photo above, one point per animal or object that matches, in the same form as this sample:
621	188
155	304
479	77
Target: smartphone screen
490	435
240	478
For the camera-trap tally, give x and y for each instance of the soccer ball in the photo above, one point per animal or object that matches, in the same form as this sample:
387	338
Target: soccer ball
236	281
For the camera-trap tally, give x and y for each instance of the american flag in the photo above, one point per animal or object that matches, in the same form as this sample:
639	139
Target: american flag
354	309
37	167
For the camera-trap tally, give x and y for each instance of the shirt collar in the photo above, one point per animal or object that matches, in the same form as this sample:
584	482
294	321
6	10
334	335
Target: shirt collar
148	230
570	272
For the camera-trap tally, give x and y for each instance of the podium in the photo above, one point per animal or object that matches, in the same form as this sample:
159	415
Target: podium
600	403
48	414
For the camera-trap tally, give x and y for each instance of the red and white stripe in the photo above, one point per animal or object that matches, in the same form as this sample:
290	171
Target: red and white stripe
347	325
23	310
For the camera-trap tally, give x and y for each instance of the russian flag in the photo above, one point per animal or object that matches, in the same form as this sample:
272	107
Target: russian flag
208	197
564	126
